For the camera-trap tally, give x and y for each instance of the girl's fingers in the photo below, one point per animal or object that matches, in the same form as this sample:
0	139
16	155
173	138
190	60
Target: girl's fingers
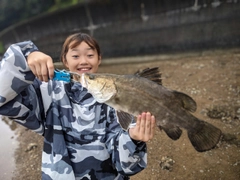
50	68
47	70
144	129
142	124
148	124
44	73
137	127
153	121
37	73
41	65
33	69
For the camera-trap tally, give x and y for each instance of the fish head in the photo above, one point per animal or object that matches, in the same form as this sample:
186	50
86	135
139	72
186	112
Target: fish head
101	86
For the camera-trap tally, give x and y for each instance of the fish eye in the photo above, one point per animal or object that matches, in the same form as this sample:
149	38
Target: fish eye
91	76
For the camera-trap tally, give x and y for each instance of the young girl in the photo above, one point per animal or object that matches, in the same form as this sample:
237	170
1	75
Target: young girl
82	138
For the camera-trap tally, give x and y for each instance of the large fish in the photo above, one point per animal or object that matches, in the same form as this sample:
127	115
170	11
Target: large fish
131	95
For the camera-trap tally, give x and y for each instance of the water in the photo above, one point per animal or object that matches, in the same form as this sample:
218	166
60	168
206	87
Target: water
8	145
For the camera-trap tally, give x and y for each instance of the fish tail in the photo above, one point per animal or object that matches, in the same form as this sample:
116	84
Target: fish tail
206	137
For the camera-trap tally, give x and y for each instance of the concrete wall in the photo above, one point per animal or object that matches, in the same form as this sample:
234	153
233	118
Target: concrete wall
136	27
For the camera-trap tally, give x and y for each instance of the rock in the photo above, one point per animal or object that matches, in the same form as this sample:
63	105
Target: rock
31	146
167	163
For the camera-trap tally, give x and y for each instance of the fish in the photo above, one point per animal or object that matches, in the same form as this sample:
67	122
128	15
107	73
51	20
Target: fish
132	94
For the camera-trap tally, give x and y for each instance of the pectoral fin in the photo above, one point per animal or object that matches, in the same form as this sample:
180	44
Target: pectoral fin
124	119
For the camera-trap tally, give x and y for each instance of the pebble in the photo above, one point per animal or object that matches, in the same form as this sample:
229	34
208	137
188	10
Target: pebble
31	146
167	163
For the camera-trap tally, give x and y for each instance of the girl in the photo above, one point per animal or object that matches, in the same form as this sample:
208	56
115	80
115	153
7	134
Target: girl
82	138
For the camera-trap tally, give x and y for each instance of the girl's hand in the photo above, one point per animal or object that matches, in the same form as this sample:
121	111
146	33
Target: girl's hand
41	65
144	129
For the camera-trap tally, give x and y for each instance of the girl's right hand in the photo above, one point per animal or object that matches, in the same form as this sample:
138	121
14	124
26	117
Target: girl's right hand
144	129
41	65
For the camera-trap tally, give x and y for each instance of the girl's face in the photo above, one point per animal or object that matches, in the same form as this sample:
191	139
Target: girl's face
82	59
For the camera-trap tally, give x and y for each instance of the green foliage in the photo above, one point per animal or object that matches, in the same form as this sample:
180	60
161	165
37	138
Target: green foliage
12	12
1	48
61	4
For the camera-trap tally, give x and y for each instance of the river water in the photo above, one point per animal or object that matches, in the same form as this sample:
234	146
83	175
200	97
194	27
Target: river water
8	141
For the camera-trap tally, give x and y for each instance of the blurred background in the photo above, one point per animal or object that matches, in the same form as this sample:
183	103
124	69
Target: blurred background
123	28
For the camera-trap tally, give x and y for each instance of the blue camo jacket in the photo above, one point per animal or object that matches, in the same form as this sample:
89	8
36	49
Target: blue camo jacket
82	138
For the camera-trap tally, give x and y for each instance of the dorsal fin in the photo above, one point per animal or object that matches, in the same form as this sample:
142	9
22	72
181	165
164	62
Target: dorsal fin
187	102
152	74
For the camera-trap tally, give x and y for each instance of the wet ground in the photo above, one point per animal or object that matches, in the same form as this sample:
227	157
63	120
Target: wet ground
9	144
212	79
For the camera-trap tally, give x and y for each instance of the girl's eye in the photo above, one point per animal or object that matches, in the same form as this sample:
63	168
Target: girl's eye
90	55
75	56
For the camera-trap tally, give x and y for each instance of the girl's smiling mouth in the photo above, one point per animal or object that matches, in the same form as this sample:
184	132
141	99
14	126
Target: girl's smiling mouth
84	69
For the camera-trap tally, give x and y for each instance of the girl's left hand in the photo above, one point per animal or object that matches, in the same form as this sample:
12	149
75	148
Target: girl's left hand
144	129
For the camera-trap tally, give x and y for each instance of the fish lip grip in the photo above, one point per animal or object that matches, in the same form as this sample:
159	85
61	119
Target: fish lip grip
62	75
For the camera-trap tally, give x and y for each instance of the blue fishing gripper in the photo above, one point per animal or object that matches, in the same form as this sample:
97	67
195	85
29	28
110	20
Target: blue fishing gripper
62	75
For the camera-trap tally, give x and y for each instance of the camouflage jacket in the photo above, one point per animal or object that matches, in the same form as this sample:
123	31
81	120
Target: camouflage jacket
82	138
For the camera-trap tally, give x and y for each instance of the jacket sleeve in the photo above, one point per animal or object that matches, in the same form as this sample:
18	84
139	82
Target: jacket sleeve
129	157
19	98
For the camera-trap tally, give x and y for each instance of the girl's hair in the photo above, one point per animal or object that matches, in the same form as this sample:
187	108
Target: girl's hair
77	39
